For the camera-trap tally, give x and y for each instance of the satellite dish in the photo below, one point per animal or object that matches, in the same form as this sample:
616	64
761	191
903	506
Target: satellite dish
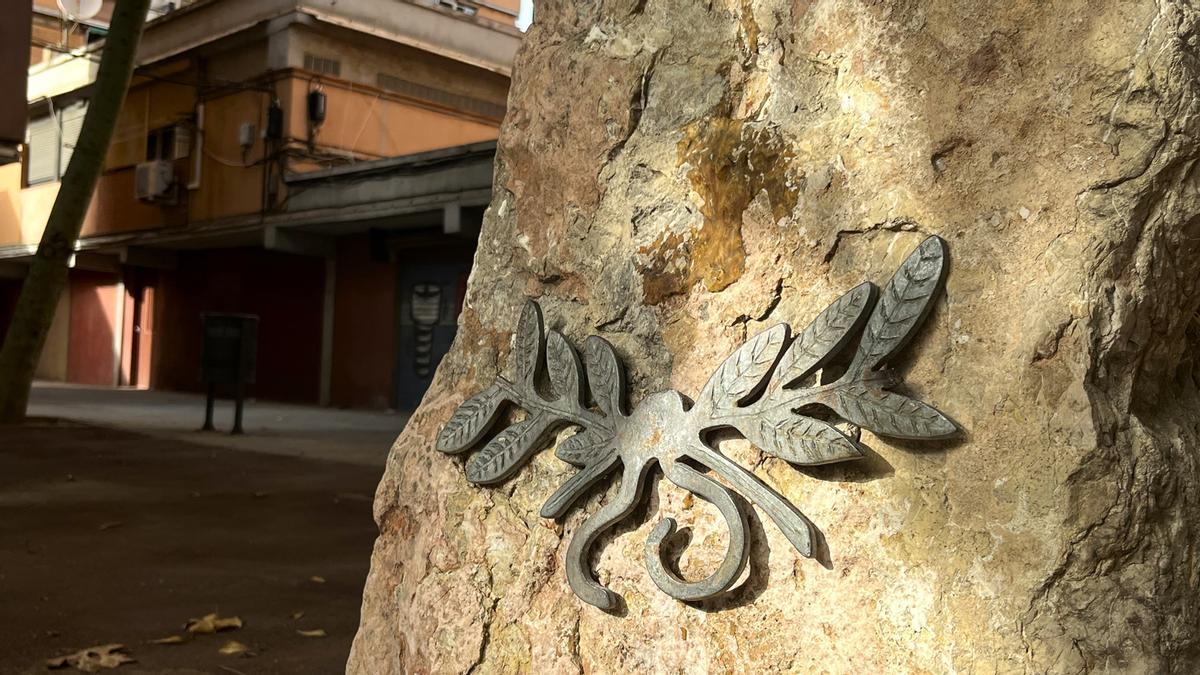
79	9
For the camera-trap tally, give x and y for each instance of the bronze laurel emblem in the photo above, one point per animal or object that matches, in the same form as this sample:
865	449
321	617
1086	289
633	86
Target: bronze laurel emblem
764	391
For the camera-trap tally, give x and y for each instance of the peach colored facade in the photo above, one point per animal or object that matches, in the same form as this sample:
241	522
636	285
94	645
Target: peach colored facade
363	123
229	112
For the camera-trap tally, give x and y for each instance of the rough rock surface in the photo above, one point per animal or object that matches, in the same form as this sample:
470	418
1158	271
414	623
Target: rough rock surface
674	176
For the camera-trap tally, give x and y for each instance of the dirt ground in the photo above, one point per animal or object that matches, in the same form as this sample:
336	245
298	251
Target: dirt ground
108	536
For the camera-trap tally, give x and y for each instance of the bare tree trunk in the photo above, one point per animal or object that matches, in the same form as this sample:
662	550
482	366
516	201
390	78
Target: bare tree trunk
48	272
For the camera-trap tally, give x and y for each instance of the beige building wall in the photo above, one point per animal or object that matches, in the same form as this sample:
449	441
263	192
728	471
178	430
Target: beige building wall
53	364
36	203
23	213
10	204
231	180
372	124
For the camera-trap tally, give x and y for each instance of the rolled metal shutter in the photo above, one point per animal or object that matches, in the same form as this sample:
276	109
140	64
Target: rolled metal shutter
72	123
43	150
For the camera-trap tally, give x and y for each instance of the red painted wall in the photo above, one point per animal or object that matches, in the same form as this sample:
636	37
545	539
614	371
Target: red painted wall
285	291
364	327
93	319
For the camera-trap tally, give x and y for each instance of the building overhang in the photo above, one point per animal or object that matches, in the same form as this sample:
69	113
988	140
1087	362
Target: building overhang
398	184
400	194
216	25
10	152
478	42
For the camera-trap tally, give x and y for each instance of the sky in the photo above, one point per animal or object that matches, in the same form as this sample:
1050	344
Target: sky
525	17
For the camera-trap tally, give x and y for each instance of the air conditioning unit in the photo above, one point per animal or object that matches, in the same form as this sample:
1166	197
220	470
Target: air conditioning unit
155	181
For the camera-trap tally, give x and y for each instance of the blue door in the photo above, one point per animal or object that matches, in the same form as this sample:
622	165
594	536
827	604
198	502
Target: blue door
430	299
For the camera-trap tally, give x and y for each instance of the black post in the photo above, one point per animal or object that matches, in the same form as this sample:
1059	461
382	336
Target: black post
208	408
237	411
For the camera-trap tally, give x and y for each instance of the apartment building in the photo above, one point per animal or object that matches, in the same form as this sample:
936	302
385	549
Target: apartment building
321	165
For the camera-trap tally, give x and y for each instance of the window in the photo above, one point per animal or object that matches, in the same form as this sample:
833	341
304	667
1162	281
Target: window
171	142
41	148
72	123
51	143
322	65
399	85
458	7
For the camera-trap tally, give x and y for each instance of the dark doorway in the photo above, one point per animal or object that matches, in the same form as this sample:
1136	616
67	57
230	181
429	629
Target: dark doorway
139	309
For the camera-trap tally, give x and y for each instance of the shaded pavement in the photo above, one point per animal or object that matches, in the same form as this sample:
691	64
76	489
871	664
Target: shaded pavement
108	535
358	436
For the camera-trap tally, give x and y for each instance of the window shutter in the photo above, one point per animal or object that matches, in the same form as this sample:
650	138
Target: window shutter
322	65
43	150
183	142
72	123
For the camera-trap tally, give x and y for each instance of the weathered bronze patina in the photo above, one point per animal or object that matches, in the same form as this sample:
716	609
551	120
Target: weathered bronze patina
767	391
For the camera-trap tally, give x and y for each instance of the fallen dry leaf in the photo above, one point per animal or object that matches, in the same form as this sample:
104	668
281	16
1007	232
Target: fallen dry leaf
92	659
317	580
169	640
316	632
211	623
235	648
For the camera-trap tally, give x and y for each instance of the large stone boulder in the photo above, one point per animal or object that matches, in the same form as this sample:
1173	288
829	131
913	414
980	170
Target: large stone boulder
677	176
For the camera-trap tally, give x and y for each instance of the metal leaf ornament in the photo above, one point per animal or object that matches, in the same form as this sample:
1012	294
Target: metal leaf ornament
758	391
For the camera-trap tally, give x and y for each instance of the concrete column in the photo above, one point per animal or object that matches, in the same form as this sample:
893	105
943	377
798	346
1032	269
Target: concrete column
452	218
118	332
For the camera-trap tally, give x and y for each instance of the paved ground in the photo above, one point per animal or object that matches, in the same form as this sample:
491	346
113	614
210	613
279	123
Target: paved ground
119	522
111	536
360	437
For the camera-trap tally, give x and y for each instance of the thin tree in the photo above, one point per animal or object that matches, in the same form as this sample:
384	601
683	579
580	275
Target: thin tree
47	276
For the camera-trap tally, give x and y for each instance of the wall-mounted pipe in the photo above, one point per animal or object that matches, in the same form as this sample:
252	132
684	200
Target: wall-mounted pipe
198	161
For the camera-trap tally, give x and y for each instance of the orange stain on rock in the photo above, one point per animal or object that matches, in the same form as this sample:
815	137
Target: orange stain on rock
731	162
